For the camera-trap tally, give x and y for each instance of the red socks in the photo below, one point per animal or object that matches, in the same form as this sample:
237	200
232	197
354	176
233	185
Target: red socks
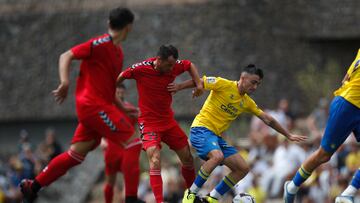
108	193
156	184
188	172
58	167
130	167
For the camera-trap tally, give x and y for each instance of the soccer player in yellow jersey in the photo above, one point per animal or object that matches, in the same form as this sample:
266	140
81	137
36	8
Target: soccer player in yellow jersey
227	100
344	118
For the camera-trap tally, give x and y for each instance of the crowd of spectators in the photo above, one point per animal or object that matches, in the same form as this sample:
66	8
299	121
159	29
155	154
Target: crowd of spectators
28	161
272	158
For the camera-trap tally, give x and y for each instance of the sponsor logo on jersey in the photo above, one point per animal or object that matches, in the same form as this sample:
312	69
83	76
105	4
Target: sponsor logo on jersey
210	80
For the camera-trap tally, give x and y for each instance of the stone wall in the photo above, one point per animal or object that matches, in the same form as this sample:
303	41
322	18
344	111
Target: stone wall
220	37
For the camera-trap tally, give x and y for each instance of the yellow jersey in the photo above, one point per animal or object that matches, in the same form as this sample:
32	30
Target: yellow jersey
223	105
350	90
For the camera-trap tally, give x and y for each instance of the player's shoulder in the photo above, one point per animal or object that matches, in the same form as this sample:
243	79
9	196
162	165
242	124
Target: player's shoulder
143	64
101	40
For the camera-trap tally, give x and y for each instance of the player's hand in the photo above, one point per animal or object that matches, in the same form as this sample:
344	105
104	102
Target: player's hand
297	138
61	92
198	91
173	88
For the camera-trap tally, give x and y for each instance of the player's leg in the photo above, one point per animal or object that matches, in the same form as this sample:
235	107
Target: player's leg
109	121
207	147
84	141
113	155
336	132
177	140
152	146
238	166
354	186
130	167
108	189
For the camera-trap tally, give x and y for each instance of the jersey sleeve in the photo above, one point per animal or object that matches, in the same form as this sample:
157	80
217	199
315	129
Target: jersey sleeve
355	64
83	50
182	66
214	83
252	107
128	73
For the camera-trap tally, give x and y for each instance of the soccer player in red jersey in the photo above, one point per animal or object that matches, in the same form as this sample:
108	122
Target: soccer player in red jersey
101	62
156	119
123	159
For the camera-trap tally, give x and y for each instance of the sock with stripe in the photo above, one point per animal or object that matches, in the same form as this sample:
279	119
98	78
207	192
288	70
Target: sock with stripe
200	179
156	184
58	167
300	177
223	187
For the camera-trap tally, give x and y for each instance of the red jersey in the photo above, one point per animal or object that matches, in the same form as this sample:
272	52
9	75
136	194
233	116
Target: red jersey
154	98
101	63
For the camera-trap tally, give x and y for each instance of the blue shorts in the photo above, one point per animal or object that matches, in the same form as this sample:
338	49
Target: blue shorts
204	141
344	118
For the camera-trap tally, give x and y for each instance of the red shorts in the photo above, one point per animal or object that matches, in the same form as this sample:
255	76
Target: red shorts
174	137
100	121
116	157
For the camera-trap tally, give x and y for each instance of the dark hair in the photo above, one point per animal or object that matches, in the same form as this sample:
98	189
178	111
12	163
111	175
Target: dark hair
252	69
120	17
168	50
121	85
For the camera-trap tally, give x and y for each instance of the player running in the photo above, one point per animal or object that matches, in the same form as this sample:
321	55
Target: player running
101	62
123	159
227	100
156	120
344	118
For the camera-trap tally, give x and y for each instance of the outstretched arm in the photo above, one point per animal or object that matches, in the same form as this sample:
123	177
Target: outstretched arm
61	92
270	121
199	86
175	87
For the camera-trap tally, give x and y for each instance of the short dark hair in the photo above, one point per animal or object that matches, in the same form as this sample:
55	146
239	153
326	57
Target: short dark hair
120	17
121	86
252	69
168	50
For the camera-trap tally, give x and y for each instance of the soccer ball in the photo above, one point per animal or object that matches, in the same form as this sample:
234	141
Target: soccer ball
243	198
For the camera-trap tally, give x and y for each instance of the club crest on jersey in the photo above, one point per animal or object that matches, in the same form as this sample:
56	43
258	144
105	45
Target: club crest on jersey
210	80
101	40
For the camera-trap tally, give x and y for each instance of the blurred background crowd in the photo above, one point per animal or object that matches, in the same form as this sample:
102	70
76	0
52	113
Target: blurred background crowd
273	160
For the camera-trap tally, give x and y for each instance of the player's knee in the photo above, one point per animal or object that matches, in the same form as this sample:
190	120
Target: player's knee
217	157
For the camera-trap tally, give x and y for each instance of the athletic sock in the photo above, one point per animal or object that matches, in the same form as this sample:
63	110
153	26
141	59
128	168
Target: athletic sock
156	184
108	193
188	172
58	167
224	186
200	179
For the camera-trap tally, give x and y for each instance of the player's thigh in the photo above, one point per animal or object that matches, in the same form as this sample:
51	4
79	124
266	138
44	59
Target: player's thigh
342	120
110	122
203	141
175	138
84	134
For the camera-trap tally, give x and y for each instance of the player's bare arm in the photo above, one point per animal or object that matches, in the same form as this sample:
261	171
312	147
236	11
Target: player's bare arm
175	87
199	87
60	93
270	121
346	78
